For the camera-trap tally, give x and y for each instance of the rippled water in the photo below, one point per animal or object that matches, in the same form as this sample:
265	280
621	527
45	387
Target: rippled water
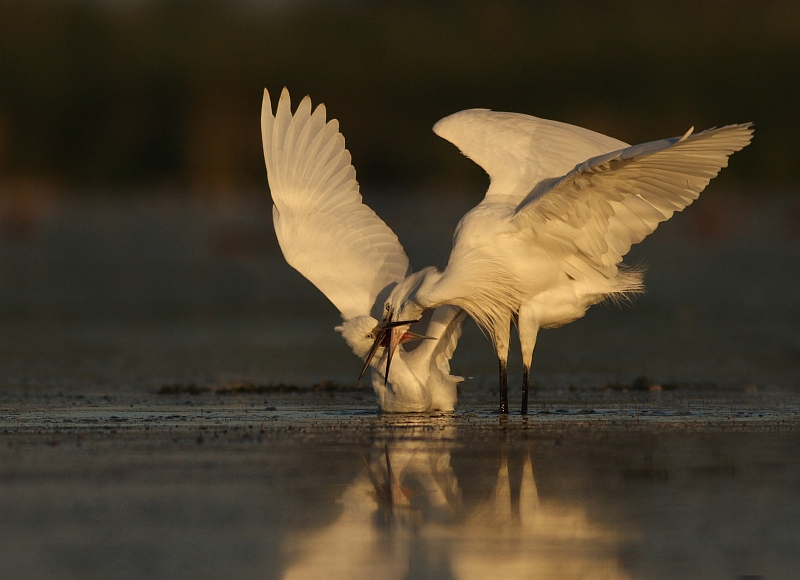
144	487
144	431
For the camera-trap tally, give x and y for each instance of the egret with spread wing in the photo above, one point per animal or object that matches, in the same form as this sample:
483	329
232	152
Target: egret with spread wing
327	234
564	206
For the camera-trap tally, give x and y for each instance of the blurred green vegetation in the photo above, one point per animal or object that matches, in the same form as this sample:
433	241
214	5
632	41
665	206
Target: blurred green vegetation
135	94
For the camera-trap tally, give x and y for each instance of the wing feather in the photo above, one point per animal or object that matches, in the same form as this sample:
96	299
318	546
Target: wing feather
325	231
518	151
449	339
445	330
612	201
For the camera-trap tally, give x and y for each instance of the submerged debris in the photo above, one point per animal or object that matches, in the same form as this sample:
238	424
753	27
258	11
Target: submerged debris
244	388
176	389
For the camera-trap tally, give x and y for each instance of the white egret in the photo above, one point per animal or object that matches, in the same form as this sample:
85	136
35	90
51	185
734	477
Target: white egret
563	207
327	234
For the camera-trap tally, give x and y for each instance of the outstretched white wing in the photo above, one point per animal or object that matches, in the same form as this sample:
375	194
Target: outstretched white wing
518	151
608	203
325	232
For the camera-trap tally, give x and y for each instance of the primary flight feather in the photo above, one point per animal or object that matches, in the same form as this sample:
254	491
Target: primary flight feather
337	242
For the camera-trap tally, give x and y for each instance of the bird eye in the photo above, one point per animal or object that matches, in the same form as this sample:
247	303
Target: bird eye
388	307
371	336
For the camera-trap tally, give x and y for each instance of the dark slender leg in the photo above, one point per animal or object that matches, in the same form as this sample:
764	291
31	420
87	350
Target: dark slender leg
525	371
503	387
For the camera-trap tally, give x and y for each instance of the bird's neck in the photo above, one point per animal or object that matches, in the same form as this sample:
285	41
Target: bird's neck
426	295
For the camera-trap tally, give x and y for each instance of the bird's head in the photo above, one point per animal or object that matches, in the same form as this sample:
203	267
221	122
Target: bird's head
359	333
401	309
407	300
390	333
367	337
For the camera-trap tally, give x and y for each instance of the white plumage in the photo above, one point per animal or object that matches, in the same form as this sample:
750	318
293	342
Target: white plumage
327	234
564	206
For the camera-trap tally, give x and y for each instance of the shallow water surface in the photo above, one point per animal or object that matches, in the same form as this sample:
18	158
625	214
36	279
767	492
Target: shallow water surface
174	403
152	487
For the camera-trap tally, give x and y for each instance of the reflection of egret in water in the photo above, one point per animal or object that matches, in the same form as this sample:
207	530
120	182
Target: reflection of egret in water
408	516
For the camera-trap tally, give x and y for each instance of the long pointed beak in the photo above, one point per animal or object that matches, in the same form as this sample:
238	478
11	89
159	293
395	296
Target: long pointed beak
375	345
397	323
396	335
394	342
380	334
388	335
409	336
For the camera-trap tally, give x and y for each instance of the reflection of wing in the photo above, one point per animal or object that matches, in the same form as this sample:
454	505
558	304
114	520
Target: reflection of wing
325	232
445	329
518	151
426	531
606	204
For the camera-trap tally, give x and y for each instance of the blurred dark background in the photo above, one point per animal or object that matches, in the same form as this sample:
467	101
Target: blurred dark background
136	242
119	95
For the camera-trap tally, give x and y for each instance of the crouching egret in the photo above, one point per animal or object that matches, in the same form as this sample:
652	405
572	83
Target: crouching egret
328	235
563	207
